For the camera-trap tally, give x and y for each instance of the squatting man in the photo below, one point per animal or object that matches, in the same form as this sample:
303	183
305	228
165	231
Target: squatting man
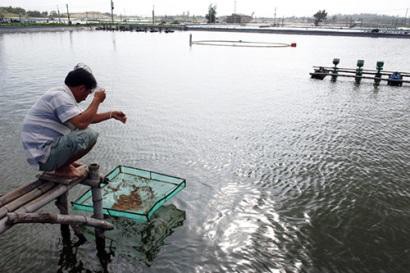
56	131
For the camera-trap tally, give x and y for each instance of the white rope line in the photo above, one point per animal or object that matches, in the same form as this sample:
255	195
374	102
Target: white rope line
239	43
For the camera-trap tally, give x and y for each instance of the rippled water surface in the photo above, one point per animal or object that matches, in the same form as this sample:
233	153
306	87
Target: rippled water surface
284	173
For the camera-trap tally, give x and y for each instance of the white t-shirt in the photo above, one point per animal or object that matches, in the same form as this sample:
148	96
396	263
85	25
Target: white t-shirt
46	122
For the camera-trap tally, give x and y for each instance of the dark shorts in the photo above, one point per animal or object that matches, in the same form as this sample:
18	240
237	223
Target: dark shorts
68	147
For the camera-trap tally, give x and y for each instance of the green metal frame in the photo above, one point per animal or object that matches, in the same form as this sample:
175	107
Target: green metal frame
154	177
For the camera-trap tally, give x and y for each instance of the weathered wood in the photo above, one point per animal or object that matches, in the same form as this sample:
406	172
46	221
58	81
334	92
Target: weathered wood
10	196
62	205
96	193
36	192
34	196
41	201
50	218
60	179
93	182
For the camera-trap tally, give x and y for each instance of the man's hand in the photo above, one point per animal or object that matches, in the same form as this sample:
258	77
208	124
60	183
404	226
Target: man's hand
99	95
118	115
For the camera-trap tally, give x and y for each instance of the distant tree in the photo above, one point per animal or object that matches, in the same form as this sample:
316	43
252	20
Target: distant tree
13	10
211	16
33	13
320	16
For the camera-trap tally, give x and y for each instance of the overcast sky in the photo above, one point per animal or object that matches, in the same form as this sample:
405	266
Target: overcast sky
224	7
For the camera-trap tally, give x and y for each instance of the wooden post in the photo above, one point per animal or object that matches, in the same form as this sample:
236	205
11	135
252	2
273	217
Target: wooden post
190	39
50	218
62	205
97	204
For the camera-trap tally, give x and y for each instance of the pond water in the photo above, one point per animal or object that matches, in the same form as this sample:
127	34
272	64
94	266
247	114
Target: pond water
284	173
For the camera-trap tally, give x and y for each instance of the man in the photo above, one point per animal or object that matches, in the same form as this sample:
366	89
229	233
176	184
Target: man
55	131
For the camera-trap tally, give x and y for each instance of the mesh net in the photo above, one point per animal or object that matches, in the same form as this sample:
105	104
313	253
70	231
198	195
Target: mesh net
133	193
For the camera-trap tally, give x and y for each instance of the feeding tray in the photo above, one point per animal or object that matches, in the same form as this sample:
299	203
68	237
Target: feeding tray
133	193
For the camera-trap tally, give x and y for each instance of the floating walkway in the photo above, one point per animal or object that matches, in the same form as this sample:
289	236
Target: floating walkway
393	78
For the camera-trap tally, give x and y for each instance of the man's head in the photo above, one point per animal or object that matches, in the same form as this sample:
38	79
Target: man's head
81	82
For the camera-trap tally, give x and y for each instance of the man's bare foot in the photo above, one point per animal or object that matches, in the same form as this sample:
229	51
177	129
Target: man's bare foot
77	164
71	171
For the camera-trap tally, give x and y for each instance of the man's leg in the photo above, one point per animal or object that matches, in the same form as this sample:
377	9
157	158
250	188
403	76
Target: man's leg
67	150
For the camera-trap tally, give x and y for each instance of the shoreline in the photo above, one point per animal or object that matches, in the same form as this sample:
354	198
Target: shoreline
289	31
303	32
31	28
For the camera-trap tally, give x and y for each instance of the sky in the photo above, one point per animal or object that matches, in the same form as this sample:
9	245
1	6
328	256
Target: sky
260	8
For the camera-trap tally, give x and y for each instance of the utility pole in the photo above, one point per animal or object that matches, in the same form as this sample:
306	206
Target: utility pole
112	12
68	15
274	18
58	12
153	14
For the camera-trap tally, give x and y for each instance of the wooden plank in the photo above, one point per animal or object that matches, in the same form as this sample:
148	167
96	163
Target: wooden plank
39	202
22	200
49	177
50	218
10	196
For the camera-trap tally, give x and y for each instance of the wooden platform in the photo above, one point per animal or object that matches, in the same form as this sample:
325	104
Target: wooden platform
49	177
20	205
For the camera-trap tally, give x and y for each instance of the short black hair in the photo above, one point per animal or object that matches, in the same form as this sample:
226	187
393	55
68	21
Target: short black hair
80	76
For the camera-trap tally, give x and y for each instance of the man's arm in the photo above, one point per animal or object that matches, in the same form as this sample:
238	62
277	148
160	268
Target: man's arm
84	119
101	117
118	115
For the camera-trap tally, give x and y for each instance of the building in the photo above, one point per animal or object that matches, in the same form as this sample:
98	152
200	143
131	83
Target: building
238	19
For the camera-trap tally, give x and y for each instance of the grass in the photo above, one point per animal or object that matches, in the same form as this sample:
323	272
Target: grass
39	25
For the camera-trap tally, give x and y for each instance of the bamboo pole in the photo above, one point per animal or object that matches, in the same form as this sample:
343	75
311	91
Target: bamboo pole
98	206
48	191
44	187
96	196
50	218
62	205
41	201
10	196
95	182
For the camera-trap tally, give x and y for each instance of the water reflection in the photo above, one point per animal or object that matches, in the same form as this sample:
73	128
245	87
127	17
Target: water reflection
287	172
69	260
128	239
70	33
114	41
